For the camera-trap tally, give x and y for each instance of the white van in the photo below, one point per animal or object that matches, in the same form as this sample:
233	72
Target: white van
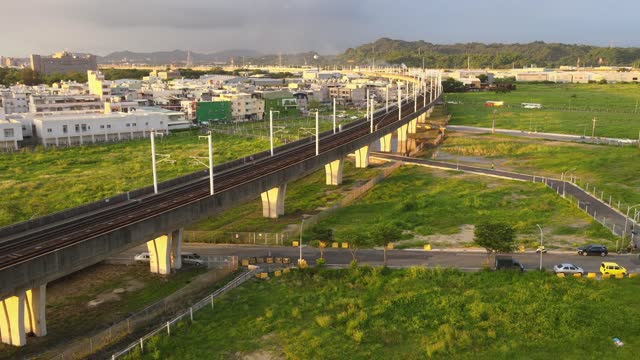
187	258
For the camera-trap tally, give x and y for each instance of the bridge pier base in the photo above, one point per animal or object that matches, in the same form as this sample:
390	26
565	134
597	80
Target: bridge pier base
402	139
362	157
413	126
385	143
12	319
333	172
273	202
35	301
176	248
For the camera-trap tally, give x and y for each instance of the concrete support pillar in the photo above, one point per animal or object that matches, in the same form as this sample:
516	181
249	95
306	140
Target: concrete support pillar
176	248
333	172
160	254
35	301
362	157
402	139
429	112
413	126
12	320
273	202
385	143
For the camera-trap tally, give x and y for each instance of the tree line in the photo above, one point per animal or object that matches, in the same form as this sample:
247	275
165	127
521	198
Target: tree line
498	56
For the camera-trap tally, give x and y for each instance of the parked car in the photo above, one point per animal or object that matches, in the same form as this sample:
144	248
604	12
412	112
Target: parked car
187	258
568	269
593	250
612	268
507	263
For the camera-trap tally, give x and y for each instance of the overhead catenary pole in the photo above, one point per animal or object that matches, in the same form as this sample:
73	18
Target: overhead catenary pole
367	95
317	134
399	103
334	115
372	111
386	106
210	140
153	161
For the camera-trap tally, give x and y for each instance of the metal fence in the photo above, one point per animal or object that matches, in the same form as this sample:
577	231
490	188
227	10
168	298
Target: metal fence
246	238
207	301
225	265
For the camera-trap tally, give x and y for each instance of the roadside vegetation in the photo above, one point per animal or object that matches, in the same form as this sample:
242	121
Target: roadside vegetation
566	109
69	314
425	202
611	169
377	313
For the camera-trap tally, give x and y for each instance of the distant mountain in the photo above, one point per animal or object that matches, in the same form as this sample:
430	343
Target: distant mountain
479	55
175	57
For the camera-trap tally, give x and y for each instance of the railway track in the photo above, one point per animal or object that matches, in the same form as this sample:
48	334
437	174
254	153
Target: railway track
38	242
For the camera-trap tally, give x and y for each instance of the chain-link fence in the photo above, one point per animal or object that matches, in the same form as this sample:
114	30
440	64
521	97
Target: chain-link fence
223	265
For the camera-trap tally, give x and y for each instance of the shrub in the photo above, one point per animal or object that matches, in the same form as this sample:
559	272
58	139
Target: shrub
320	262
324	321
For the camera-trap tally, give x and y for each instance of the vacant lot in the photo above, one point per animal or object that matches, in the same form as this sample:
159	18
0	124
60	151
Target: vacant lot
367	313
567	109
424	202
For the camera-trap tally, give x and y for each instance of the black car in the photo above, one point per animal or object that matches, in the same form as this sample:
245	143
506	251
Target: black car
593	250
507	263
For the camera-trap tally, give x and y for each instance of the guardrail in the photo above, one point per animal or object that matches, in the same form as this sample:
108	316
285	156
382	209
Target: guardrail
207	301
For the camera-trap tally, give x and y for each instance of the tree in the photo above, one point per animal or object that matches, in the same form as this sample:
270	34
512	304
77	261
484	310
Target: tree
384	233
452	86
29	77
495	237
483	78
356	240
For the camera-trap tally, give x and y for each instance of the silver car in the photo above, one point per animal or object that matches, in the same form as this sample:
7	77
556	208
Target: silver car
568	269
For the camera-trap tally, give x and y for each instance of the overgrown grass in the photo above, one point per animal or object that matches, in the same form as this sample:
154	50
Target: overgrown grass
367	313
69	316
613	170
305	196
567	108
37	183
427	202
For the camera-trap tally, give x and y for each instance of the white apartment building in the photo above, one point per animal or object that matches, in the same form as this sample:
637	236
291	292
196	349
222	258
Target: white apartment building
54	103
14	102
71	129
244	107
10	134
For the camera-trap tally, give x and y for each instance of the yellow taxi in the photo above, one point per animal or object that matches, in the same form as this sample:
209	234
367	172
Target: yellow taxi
612	268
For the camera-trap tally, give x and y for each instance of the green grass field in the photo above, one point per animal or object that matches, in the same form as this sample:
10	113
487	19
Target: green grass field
375	313
567	109
304	196
424	202
611	169
36	183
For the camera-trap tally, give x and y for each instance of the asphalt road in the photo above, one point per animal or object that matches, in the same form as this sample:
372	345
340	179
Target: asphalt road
592	205
545	136
465	260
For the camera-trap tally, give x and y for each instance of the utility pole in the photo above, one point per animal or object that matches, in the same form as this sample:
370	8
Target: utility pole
593	129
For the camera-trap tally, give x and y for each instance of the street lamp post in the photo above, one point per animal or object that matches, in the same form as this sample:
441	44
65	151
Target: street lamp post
271	128
541	246
300	244
564	182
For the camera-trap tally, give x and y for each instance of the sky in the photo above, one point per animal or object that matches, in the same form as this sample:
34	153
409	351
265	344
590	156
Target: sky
287	26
